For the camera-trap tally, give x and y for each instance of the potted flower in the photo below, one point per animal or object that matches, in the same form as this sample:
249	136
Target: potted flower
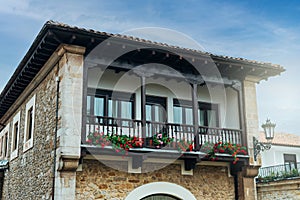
160	140
223	147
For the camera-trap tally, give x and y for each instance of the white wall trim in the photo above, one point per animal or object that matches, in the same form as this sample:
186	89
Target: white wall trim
14	153
29	143
160	188
2	136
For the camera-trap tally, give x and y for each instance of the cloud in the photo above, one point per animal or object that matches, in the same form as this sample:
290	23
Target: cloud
220	27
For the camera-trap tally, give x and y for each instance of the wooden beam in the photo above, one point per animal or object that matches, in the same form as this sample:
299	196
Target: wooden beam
195	115
238	87
143	106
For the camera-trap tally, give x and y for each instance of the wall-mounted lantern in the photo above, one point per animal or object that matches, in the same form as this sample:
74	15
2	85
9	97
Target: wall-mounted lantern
269	128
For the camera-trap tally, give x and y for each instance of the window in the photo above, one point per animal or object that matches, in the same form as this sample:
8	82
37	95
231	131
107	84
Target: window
29	124
15	136
106	103
160	197
160	191
183	113
156	109
208	114
4	142
290	161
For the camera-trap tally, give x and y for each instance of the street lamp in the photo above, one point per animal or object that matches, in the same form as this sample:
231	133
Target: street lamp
269	134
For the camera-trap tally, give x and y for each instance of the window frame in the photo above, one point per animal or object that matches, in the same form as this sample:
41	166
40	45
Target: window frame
201	106
28	142
289	162
15	136
157	100
4	137
110	95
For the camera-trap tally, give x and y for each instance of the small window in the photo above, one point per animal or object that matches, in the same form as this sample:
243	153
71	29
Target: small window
290	161
15	136
4	143
1	147
29	124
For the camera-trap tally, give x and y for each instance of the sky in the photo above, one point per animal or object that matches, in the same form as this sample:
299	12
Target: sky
262	30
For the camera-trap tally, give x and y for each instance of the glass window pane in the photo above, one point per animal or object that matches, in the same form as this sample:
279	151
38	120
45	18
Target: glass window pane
88	105
112	108
148	113
189	116
201	116
177	115
126	108
159	114
212	118
98	106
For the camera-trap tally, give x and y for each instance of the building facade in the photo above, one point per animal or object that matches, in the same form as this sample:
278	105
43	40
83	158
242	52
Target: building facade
279	175
285	150
92	115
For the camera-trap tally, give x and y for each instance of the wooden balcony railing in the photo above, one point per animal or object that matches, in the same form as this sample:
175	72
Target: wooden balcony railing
133	127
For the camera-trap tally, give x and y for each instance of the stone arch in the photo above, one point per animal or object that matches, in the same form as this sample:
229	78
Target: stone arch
171	189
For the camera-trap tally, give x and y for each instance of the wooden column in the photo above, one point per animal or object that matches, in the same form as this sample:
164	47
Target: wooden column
195	115
143	106
237	86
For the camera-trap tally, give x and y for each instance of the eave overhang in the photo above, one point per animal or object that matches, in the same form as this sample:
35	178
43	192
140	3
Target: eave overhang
53	34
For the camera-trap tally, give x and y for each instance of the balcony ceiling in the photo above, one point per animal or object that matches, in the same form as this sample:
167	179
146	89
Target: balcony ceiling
54	34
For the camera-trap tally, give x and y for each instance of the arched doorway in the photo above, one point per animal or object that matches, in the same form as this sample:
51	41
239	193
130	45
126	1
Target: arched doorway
160	197
160	191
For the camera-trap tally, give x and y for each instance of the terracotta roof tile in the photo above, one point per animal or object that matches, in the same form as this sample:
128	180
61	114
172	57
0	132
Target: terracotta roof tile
285	139
165	45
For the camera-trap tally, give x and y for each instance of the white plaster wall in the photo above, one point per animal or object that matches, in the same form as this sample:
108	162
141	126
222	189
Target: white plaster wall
274	156
129	82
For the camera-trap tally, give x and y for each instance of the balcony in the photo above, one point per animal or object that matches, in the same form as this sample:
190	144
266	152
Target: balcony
279	172
182	132
140	105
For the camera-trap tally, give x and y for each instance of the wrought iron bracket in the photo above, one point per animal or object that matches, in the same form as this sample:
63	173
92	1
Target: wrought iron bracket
259	146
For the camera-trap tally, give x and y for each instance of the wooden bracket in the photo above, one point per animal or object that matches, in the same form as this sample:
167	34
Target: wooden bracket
190	163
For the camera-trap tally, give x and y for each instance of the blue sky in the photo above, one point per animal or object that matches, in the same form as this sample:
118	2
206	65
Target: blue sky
258	30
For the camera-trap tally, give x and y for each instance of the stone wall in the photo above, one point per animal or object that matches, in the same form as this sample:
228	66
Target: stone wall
30	174
285	189
97	181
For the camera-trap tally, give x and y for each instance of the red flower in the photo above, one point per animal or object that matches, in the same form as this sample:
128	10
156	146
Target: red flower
221	150
191	147
89	141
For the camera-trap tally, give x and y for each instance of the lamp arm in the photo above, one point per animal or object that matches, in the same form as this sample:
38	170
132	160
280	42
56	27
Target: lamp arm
259	146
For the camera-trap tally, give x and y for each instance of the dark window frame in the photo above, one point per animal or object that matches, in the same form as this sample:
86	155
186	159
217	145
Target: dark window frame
201	106
159	196
110	95
29	121
157	100
6	144
290	159
15	135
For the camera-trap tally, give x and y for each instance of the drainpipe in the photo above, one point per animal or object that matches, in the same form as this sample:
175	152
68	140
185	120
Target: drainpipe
55	135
